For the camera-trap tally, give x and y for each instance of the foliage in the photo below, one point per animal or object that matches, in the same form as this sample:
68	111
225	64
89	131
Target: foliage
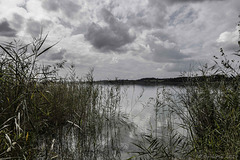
209	112
38	109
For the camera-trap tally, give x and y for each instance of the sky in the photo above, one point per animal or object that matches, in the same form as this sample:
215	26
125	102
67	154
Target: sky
125	39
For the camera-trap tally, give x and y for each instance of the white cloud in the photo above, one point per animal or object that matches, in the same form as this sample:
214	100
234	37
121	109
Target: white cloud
228	37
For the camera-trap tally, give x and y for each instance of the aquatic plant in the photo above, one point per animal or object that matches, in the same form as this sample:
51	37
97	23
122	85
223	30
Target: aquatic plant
40	111
209	112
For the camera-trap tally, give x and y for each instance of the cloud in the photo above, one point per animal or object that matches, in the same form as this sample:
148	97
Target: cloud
6	30
34	27
51	5
183	15
161	53
81	29
228	37
68	7
17	21
57	55
163	50
183	1
151	33
152	16
229	40
115	35
182	66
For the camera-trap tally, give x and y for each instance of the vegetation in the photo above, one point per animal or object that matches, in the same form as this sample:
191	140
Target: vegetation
208	112
38	109
177	81
44	116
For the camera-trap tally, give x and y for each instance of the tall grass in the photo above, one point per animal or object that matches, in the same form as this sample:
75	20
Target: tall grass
165	139
40	111
19	115
209	112
44	116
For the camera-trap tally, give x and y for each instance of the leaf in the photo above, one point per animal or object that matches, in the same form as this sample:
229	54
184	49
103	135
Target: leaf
5	126
42	42
131	157
7	52
236	54
8	138
45	97
27	136
9	149
46	49
74	124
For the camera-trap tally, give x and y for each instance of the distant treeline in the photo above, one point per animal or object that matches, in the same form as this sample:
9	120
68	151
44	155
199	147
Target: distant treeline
166	81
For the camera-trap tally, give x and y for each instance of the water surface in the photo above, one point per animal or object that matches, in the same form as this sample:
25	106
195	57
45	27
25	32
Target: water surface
140	110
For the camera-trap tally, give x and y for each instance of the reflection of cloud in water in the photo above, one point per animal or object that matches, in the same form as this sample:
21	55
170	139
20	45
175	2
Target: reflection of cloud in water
139	103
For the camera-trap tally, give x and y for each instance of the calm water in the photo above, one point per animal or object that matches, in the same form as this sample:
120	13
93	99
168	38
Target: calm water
138	106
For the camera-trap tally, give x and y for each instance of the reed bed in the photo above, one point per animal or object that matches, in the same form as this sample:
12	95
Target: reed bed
44	116
40	111
208	112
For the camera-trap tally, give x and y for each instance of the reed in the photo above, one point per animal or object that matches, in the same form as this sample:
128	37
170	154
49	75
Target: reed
209	113
40	111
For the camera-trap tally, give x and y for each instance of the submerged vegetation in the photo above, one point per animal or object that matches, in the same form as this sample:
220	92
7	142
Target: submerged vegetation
44	116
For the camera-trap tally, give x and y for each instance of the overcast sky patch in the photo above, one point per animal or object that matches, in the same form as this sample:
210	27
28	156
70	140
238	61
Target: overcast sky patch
34	27
68	7
111	37
6	30
58	55
193	1
142	38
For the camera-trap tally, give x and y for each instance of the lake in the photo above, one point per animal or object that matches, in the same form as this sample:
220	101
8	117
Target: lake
139	110
145	107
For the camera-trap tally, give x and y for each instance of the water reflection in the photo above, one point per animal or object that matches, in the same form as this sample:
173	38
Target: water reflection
139	110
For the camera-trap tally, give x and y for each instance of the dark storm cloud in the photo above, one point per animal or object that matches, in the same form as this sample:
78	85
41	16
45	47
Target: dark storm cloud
58	55
6	30
112	37
34	27
69	8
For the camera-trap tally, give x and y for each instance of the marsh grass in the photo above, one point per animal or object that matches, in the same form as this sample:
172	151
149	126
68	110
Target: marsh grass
164	139
44	116
209	113
203	121
40	111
